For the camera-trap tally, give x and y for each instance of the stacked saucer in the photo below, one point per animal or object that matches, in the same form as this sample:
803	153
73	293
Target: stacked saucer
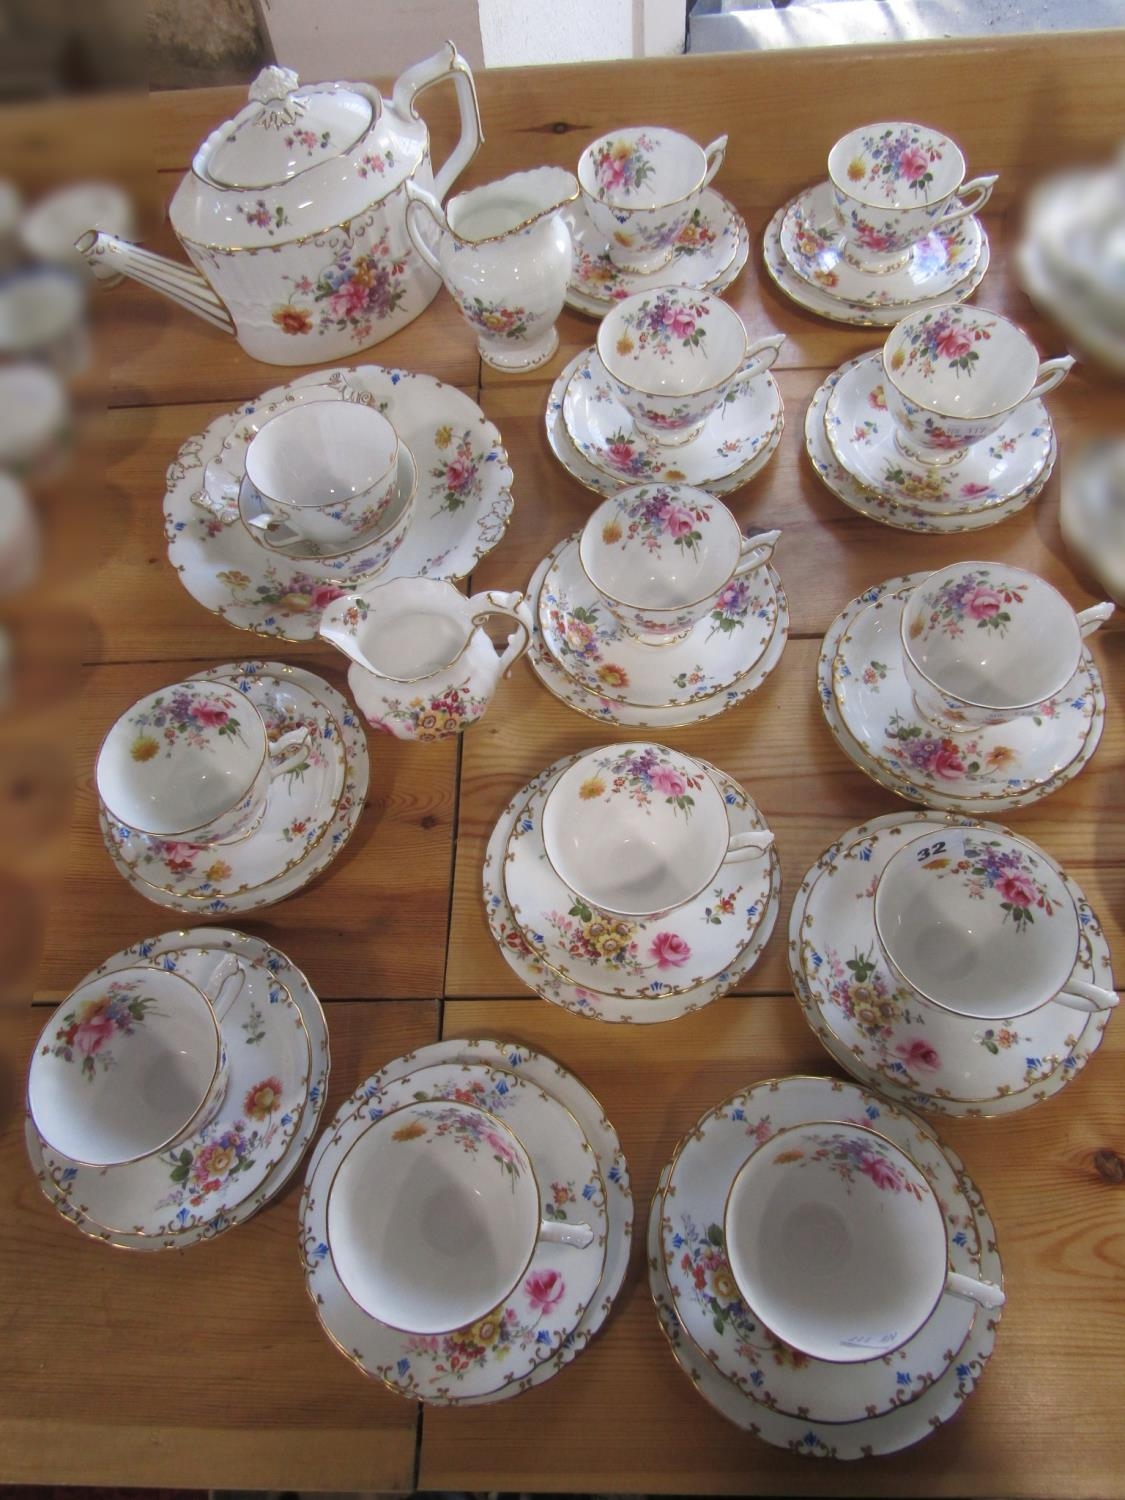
457	1117
239	1153
303	814
446	502
873	713
759	1217
631	883
659	612
893	1039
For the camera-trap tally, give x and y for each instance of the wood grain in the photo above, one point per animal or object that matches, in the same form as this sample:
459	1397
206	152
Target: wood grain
203	1367
623	1413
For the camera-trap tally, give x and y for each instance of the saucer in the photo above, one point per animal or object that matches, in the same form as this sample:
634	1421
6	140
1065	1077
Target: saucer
711	249
636	959
245	1157
599	654
909	1422
594	705
554	1292
579	467
311	813
601	429
870	711
582	1001
553	1079
859	314
912	516
707	1301
861	434
923	1056
461	510
812	244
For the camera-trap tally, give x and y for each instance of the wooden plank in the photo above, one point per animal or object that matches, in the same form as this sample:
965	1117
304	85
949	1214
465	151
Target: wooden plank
374	924
623	1416
223	1378
778	746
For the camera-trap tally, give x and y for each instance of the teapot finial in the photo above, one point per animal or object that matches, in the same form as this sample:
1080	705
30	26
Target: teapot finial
273	90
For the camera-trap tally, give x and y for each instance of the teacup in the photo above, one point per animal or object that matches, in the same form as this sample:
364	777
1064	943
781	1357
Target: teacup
837	1243
663	556
434	1215
327	469
981	923
637	830
192	761
423	667
132	1063
674	356
894	182
640	186
955	374
1024	640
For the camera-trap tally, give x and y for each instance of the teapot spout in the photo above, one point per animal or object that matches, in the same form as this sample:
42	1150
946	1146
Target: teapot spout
340	625
180	283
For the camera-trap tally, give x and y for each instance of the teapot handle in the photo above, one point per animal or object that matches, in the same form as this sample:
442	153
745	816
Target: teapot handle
516	607
448	63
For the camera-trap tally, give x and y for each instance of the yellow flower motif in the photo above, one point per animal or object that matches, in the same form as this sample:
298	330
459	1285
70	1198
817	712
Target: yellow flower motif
220	1161
625	344
622	238
218	871
1000	755
785	1156
916	629
409	1132
234	579
622	151
857	169
486	1332
613	676
898	359
674	474
443	436
592	788
144	747
612	532
723	1285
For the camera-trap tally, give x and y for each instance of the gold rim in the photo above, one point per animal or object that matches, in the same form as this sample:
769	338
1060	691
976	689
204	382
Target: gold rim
494	239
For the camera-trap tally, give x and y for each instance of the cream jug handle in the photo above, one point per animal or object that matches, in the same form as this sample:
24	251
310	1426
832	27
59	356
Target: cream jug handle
1090	619
515	607
418	200
446	63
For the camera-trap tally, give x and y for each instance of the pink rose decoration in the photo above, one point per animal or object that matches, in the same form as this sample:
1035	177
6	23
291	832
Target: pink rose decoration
620	455
669	950
919	1054
680	322
939	438
460	473
873	239
670	782
210	714
91	1036
678	520
500	1146
323	594
882	1173
349	300
971	491
983	603
953	343
913	163
1018	889
946	762
545	1290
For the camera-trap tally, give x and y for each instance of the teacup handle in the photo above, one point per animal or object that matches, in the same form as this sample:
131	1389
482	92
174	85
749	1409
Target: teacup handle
759	358
756	551
558	1232
229	967
744	846
714	153
284	750
1052	372
515	607
418	199
1078	995
983	1293
219	495
1095	617
970	199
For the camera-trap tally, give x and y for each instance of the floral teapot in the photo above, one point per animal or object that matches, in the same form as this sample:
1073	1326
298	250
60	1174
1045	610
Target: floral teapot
294	215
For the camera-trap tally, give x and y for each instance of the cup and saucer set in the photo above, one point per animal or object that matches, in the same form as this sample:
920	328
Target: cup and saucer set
673	392
339	479
646	217
175	1090
233	789
942	430
631	883
480	1157
972	733
824	1269
660	612
893	229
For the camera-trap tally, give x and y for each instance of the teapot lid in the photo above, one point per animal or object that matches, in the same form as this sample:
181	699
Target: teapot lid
284	131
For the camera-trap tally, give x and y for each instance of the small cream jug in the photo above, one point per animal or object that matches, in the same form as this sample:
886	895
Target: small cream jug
423	667
504	253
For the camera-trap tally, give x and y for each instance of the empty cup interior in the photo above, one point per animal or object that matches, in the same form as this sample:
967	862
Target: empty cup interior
433	1216
321	454
659	547
960	362
643	166
896	165
124	1064
991	636
836	1241
672	342
977	921
414	627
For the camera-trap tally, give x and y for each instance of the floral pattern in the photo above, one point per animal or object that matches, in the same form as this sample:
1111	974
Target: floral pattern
460	472
625	453
222	1152
434	717
622	166
894	160
358	289
987	868
944	339
262	216
290	593
186	716
661	324
496	1337
974	598
310	141
379	162
644	779
470	1129
853	1157
653	517
495	319
915	748
88	1030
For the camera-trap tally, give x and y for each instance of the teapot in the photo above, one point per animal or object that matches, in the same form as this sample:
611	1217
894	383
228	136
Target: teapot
423	667
294	215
